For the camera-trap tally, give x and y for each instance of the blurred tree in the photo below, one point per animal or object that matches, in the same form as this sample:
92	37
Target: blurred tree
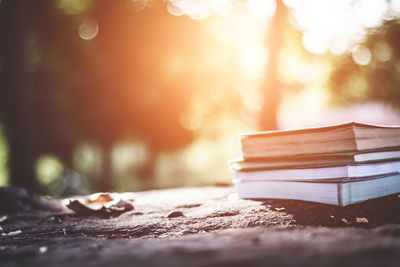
18	92
272	85
97	75
129	93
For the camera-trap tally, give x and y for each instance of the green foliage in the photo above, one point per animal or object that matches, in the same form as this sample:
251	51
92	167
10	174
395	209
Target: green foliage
94	72
379	79
3	159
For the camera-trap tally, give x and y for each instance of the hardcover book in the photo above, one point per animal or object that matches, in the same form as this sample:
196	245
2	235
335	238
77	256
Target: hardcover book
339	193
348	137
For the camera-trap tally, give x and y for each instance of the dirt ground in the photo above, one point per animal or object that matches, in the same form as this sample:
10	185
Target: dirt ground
214	229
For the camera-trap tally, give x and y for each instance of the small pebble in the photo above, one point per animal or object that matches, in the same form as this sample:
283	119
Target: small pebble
95	247
362	220
175	213
43	250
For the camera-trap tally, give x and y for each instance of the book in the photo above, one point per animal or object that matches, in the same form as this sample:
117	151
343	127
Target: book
341	194
347	137
240	164
339	173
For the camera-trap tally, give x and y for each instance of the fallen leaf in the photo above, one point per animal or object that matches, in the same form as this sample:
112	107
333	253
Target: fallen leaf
113	210
3	218
279	209
43	250
362	220
99	198
121	205
175	213
12	233
102	204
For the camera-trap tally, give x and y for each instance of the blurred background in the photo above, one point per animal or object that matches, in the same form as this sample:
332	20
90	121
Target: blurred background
127	95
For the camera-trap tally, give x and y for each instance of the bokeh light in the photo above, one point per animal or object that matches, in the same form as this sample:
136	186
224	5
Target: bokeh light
382	51
3	159
361	55
72	7
136	5
163	87
48	169
88	29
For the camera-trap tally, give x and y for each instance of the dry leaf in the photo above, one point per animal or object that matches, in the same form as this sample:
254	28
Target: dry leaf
102	204
12	233
362	220
279	209
100	198
113	210
121	205
3	218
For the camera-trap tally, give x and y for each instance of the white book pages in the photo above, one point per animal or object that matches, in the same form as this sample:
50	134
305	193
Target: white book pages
337	172
341	194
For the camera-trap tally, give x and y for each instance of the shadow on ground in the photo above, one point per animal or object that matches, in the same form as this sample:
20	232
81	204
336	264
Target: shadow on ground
371	213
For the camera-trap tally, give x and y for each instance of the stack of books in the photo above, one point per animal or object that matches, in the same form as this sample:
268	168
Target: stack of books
340	164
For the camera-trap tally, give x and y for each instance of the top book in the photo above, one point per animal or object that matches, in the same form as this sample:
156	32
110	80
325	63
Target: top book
347	137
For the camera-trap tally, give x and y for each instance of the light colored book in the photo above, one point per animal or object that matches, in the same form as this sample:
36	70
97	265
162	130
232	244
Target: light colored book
341	194
343	173
347	137
240	164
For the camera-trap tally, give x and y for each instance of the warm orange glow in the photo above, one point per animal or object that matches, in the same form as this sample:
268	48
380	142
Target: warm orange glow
336	25
179	79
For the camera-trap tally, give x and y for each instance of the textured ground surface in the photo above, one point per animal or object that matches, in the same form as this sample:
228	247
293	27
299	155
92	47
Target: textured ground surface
216	229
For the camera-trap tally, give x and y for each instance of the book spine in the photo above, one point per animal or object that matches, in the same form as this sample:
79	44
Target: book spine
340	194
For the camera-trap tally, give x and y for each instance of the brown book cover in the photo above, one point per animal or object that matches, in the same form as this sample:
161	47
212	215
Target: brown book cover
347	137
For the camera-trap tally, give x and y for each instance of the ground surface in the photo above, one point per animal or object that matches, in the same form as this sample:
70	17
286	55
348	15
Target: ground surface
216	229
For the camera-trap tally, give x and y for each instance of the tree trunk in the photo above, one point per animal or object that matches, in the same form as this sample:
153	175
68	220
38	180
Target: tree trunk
18	93
106	176
272	85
